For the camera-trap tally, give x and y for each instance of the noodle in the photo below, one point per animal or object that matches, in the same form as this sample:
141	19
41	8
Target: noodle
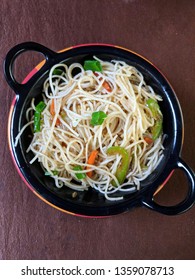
60	147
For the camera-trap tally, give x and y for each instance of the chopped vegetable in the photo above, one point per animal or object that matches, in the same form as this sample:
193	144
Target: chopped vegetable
92	65
143	167
91	160
79	175
148	140
57	122
54	173
98	118
122	170
63	115
105	83
157	129
155	109
52	111
57	72
37	121
40	107
107	86
52	108
37	116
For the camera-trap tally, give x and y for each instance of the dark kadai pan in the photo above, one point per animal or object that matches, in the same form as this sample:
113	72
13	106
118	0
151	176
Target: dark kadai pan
91	202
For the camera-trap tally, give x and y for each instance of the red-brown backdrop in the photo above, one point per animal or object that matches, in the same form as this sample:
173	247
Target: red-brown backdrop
162	31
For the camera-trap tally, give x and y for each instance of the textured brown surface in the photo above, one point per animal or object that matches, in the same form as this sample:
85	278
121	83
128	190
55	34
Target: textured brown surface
162	31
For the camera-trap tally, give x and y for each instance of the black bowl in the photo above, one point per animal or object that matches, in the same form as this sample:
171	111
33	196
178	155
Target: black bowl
91	202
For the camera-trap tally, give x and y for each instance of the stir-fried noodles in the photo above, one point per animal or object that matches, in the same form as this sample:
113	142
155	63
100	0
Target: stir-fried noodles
99	125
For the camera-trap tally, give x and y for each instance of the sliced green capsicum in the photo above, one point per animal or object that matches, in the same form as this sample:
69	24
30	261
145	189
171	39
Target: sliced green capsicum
157	115
157	129
92	65
79	175
122	170
37	116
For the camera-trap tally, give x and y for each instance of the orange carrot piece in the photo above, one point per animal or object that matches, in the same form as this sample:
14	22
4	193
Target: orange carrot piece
105	83
52	108
148	140
91	160
107	86
96	74
57	122
52	111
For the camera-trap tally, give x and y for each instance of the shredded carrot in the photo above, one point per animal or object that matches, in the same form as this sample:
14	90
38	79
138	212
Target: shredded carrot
105	83
107	86
57	122
91	160
148	140
96	74
52	111
52	108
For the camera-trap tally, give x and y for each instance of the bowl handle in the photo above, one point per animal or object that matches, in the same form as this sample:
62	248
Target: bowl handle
184	205
14	53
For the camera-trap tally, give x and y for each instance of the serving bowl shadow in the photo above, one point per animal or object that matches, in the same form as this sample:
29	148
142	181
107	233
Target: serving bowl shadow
92	203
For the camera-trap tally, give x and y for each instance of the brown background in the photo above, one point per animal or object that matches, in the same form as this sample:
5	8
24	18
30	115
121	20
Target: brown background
162	31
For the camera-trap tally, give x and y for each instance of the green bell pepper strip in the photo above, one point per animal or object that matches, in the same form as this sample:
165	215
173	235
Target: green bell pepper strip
156	113
54	173
80	175
37	116
57	72
40	107
37	121
157	129
98	118
92	65
122	170
154	107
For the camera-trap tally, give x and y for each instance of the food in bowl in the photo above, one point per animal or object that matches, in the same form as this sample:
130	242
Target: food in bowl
93	202
98	125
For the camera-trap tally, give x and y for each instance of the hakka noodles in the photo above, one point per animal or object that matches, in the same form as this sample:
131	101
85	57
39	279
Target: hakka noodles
98	125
